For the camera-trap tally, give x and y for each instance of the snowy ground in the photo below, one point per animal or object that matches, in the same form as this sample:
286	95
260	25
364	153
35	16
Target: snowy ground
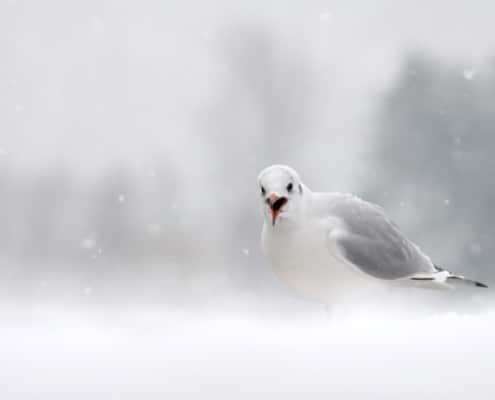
160	354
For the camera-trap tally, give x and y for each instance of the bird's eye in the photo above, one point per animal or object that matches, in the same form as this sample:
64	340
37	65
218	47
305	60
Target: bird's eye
263	191
290	187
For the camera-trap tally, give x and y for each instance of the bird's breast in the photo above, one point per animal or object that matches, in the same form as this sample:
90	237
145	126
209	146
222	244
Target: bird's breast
302	259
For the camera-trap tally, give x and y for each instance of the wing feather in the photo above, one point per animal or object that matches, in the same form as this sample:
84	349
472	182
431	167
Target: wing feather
368	240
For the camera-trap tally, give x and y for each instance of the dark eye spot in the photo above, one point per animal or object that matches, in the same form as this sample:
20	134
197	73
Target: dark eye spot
263	191
290	186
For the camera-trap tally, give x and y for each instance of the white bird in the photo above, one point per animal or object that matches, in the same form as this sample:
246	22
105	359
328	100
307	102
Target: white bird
331	246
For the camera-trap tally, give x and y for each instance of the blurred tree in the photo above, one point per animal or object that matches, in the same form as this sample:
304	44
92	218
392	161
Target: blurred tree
115	218
8	198
433	159
46	196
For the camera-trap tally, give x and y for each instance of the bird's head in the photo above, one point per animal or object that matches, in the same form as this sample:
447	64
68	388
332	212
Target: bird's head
281	192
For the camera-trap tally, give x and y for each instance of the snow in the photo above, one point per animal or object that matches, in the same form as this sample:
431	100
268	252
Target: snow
206	35
121	198
326	17
88	242
157	354
154	229
475	249
151	173
97	25
469	73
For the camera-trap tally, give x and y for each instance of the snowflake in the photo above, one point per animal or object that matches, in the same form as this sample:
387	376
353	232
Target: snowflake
154	229
475	249
325	17
88	242
469	73
97	24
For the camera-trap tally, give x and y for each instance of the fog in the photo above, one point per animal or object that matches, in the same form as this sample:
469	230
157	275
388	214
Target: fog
131	135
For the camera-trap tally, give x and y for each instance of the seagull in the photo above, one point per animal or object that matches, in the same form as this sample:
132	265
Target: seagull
329	246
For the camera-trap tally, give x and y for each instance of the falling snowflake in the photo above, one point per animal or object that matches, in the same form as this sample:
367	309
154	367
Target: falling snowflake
325	17
88	290
206	35
447	202
97	25
3	152
154	229
469	73
121	198
245	251
475	249
88	242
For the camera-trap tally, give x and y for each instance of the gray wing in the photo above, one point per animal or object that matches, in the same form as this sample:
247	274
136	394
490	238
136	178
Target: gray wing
370	241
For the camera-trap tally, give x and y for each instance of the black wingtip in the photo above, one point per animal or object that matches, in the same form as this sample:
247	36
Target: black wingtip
476	283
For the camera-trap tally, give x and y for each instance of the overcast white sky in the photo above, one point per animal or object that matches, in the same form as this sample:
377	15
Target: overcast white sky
97	81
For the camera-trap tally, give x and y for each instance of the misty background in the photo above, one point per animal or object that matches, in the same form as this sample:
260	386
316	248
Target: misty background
132	133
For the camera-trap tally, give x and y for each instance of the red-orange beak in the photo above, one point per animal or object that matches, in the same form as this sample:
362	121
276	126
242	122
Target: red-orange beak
276	203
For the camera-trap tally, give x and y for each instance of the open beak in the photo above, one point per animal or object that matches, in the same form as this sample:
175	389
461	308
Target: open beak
276	203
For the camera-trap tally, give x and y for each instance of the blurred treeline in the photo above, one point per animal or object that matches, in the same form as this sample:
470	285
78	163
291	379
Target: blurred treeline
156	231
433	159
60	228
